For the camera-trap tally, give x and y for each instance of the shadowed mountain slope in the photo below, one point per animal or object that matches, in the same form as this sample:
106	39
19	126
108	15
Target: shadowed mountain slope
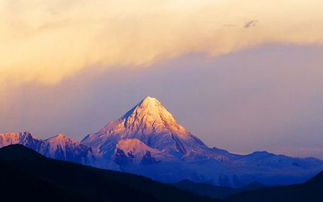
212	191
311	191
34	177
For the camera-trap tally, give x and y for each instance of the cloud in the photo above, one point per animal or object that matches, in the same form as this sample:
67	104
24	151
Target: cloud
48	40
268	98
251	23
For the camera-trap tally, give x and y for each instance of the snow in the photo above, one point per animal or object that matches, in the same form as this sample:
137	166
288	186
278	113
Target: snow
59	147
135	149
150	122
135	146
149	126
148	140
61	140
148	117
14	138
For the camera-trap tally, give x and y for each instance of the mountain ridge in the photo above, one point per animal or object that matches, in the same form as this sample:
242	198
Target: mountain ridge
147	140
153	125
58	147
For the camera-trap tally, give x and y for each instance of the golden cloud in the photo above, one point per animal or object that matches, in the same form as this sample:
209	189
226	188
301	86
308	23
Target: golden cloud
47	40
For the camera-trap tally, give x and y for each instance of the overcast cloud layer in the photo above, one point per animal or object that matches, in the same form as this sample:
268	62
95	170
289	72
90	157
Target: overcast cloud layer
47	40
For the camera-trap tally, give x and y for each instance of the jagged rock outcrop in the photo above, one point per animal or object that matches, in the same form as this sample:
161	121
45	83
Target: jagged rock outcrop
59	147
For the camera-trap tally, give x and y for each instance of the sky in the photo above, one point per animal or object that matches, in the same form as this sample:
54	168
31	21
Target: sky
241	75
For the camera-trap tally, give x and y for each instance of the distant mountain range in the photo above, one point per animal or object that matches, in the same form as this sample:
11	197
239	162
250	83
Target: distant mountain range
59	147
148	141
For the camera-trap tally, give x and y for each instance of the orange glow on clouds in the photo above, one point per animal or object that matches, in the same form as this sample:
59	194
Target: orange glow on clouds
46	40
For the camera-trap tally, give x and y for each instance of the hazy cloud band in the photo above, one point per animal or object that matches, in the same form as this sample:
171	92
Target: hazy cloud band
47	40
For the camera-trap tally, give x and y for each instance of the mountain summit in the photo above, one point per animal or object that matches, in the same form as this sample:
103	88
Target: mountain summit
152	124
150	116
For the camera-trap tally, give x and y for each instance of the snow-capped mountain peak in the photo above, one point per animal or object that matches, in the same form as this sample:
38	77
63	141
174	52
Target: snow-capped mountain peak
151	123
61	139
62	147
24	138
150	116
149	134
9	138
58	147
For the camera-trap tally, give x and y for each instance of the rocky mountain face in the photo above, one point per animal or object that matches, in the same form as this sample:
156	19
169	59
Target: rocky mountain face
24	138
59	147
63	148
152	124
148	141
133	151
